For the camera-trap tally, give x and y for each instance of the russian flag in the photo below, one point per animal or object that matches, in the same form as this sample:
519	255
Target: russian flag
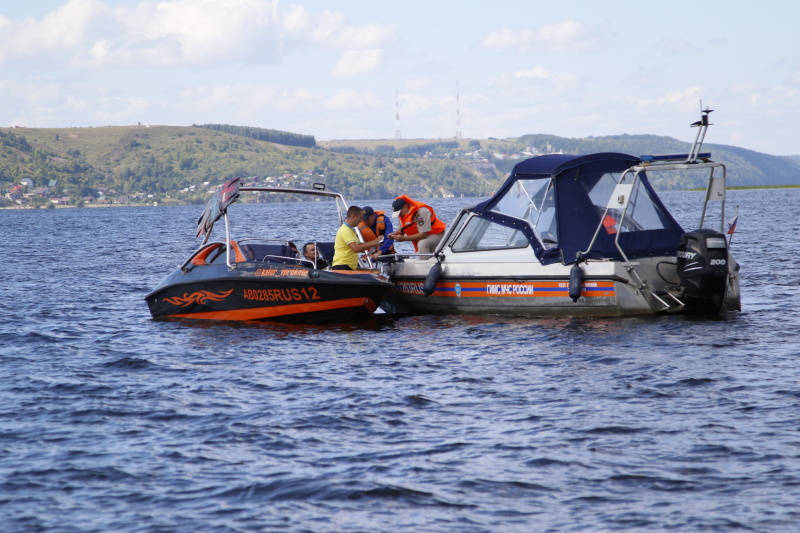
732	223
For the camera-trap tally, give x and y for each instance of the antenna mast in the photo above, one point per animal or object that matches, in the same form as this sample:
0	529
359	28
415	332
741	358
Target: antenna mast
703	124
458	113
397	116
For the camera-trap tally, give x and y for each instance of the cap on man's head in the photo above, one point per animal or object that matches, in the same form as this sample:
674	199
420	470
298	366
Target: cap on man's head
368	212
397	205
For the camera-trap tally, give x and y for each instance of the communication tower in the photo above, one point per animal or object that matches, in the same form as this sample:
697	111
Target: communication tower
458	113
397	116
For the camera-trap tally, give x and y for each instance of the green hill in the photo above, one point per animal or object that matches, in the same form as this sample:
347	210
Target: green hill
172	163
745	168
126	164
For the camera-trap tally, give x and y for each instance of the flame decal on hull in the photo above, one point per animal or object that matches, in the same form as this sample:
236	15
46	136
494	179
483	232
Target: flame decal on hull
199	297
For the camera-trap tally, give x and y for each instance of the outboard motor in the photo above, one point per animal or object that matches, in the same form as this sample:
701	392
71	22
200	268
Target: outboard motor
703	270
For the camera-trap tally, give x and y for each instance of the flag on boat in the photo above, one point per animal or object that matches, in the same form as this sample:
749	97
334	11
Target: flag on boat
732	223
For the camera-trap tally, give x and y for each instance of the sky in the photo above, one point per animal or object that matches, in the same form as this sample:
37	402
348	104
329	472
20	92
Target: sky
347	69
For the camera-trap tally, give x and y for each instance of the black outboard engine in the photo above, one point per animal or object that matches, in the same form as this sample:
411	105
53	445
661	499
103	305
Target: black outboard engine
703	270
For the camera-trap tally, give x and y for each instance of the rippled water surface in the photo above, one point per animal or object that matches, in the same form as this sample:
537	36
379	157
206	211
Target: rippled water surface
110	421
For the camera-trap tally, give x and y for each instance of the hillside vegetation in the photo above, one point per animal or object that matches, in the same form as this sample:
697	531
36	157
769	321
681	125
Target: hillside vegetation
745	167
173	163
125	164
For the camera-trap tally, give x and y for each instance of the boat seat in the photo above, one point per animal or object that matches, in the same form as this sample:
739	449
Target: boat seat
325	249
210	250
276	252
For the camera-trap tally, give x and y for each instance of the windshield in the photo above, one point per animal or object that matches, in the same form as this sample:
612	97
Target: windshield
532	200
642	213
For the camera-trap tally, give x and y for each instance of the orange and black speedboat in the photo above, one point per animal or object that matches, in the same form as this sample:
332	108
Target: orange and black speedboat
264	279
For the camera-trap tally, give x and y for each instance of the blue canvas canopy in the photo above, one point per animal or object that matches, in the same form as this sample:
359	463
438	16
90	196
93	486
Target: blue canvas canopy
575	191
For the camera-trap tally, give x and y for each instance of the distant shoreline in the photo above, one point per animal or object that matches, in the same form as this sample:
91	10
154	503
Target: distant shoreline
740	187
90	206
93	206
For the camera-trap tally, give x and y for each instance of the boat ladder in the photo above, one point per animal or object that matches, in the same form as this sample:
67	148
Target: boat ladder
667	299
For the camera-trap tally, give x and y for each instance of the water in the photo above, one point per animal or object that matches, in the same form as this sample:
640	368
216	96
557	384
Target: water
110	421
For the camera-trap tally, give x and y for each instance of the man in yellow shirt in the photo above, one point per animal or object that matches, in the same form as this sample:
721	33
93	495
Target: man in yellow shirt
346	246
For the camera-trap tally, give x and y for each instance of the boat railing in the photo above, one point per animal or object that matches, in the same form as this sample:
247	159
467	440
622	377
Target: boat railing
694	160
394	258
715	189
619	200
341	204
364	260
305	262
184	267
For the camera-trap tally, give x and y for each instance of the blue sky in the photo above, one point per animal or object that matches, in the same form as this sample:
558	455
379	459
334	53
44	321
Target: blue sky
342	69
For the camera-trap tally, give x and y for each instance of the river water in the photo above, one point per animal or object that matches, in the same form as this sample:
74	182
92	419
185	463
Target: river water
110	421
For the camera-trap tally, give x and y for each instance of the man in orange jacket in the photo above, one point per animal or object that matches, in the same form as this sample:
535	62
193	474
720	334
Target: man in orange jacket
418	224
376	224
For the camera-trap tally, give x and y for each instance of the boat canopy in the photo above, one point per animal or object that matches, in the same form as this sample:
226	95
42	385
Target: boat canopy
557	202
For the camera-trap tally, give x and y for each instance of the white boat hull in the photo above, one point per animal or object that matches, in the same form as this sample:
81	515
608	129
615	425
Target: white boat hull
531	289
579	235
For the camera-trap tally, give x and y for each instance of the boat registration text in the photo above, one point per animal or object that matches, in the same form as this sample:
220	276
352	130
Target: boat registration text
540	289
282	295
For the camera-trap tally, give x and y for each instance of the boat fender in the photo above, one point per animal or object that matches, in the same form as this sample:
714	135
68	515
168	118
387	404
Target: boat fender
575	282
432	279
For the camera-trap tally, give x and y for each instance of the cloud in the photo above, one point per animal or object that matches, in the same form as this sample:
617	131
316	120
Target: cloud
563	37
794	76
53	36
645	77
685	102
356	63
543	74
351	100
363	38
177	33
245	101
264	103
673	46
48	103
417	84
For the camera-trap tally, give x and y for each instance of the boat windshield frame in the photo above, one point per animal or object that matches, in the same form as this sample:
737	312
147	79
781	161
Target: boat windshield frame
341	209
620	199
341	206
715	190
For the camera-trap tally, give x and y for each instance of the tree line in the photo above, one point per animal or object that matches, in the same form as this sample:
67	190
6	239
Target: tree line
174	164
263	134
435	148
180	164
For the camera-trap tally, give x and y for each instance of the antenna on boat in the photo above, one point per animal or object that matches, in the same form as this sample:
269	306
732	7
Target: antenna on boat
703	125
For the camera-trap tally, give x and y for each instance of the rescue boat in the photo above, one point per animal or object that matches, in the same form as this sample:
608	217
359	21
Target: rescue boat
578	235
261	278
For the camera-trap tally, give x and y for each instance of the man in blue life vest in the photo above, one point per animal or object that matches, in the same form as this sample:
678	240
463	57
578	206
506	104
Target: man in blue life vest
346	247
376	224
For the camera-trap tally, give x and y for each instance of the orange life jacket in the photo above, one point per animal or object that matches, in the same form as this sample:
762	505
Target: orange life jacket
380	225
408	223
610	224
366	232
